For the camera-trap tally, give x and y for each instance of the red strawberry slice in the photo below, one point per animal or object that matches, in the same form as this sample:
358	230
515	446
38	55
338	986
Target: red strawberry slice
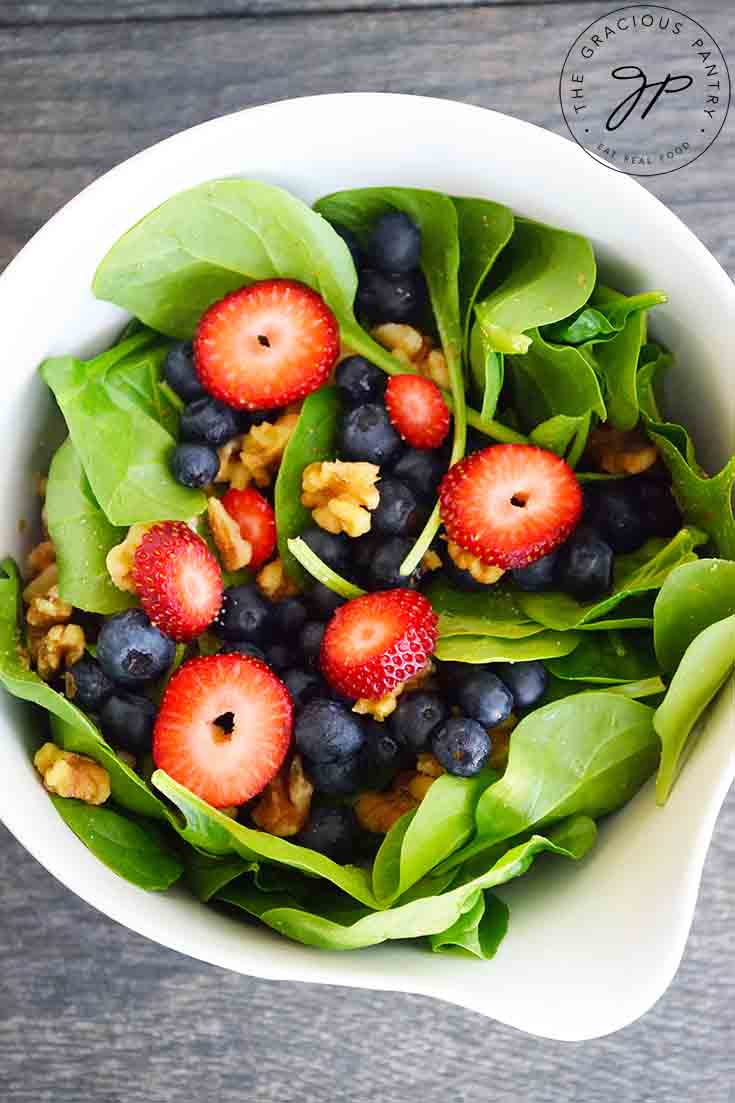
417	409
223	728
177	579
266	345
510	504
256	520
375	642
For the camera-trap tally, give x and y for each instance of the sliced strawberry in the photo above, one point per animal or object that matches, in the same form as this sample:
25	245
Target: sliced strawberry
510	504
177	580
223	728
375	642
256	520
266	345
417	410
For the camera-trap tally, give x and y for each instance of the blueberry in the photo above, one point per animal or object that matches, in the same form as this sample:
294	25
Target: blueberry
461	579
656	505
537	576
526	681
328	732
617	518
278	656
384	568
332	550
462	746
243	647
383	297
358	381
180	373
303	685
288	618
208	421
127	721
394	244
416	717
88	683
334	779
381	756
323	602
244	615
131	650
310	642
421	470
397	512
484	698
194	465
351	242
452	675
331	831
367	434
585	565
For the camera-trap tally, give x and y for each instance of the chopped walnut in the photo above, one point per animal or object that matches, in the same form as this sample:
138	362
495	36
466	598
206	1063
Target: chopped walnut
64	643
487	573
255	457
378	811
235	552
48	609
500	742
419	785
619	452
428	764
407	344
41	585
284	807
274	583
41	557
341	495
72	775
431	561
380	708
119	560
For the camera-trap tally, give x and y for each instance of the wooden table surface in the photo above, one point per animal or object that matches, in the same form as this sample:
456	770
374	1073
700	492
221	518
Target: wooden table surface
91	1012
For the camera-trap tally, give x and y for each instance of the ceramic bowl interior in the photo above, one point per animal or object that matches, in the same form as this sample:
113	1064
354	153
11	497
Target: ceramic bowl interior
590	946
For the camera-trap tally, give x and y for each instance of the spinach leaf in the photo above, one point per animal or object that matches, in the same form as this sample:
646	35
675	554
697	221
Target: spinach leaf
82	536
313	439
608	658
318	569
493	612
617	363
554	379
488	370
635	573
585	754
707	663
604	316
125	847
558	433
206	875
483	229
576	834
558	688
479	931
694	596
487	649
653	363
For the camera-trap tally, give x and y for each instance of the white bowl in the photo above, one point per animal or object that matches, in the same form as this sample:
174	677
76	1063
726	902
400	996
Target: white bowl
590	947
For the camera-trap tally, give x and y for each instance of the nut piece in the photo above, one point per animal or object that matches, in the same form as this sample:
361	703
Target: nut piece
72	775
274	583
407	344
431	561
486	573
256	456
419	785
429	765
234	550
377	812
119	560
41	557
619	452
64	643
380	708
341	495
500	742
284	806
48	609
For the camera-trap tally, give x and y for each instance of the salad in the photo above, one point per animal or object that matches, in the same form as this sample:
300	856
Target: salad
371	569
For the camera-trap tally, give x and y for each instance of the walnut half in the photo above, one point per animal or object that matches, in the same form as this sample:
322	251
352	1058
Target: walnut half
72	775
283	809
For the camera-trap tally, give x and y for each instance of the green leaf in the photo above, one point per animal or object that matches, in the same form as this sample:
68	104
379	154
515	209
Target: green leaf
82	536
484	229
617	363
608	658
313	439
694	596
487	649
635	573
558	433
653	363
479	931
576	835
125	847
554	379
488	370
494	612
605	316
318	569
206	875
707	663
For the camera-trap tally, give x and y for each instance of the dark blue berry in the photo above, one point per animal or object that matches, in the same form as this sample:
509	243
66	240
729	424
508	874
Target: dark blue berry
484	698
351	242
127	721
383	297
278	656
244	615
537	576
394	244
657	507
323	602
87	685
397	512
331	830
421	470
462	746
526	681
461	579
384	568
326	731
617	518
452	675
310	642
131	650
416	717
367	434
208	421
334	550
180	374
334	779
381	756
585	565
194	465
243	647
303	685
288	618
358	381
